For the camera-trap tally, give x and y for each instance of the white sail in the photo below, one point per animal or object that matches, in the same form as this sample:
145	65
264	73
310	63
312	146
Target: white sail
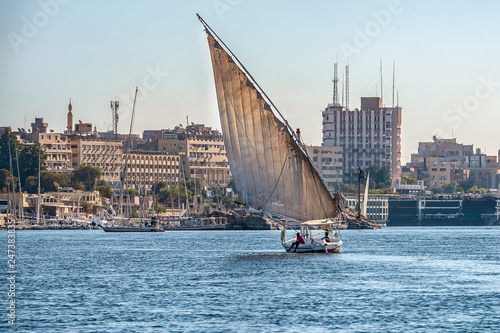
271	170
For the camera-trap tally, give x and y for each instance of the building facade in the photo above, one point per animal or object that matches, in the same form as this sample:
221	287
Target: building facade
484	169
329	163
202	152
57	147
458	153
144	169
377	209
369	136
437	171
108	155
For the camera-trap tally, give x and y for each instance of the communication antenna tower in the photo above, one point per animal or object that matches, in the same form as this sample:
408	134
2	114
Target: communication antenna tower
393	80
114	109
335	83
347	87
381	85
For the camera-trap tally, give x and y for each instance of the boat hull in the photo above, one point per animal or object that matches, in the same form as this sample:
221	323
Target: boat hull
131	229
333	247
213	228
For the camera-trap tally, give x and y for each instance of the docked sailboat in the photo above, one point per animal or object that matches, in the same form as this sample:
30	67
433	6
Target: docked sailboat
271	168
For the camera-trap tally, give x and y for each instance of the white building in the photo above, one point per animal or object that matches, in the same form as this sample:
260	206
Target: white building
377	209
370	136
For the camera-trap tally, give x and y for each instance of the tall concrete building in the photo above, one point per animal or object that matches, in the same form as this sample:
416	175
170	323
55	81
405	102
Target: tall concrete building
369	136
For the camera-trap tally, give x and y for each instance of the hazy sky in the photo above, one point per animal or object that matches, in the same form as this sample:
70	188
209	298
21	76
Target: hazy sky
447	61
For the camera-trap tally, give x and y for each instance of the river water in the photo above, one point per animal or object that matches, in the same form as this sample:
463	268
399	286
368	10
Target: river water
389	280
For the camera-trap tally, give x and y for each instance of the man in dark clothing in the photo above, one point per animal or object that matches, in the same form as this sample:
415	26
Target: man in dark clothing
299	240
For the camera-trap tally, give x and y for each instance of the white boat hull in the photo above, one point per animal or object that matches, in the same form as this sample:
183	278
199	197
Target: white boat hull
314	245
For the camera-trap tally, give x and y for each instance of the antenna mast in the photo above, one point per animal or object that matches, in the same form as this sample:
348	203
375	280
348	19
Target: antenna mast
343	83
335	82
393	80
381	85
347	87
114	109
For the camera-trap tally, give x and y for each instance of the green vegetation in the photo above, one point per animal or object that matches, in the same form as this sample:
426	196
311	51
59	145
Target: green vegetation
132	192
27	154
408	180
87	175
5	177
458	187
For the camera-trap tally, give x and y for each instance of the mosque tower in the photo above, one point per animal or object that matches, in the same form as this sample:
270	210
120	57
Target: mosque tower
69	128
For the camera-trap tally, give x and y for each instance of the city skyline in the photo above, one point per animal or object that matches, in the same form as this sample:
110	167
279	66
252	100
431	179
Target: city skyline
446	76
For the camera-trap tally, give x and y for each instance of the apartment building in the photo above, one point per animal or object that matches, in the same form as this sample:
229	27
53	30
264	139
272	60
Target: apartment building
368	136
108	155
57	148
144	169
437	171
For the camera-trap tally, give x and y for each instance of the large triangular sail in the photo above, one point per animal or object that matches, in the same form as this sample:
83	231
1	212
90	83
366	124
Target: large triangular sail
271	170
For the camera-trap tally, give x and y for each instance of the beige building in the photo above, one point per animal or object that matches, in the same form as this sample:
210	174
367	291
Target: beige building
202	152
86	150
329	163
484	169
144	169
458	153
437	171
56	147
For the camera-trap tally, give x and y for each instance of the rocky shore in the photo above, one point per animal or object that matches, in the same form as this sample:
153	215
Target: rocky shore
353	222
244	222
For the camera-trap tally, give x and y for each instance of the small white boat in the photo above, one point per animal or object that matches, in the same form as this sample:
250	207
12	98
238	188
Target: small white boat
313	233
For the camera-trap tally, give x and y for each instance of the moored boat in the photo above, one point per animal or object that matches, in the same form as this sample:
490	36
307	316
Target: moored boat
133	225
206	223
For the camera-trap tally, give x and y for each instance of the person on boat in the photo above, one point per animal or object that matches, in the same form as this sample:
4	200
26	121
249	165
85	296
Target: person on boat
327	238
299	240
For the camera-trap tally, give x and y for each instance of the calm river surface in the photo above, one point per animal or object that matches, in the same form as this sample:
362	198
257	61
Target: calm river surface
389	280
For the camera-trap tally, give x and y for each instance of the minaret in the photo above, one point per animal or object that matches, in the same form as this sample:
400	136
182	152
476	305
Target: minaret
69	128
